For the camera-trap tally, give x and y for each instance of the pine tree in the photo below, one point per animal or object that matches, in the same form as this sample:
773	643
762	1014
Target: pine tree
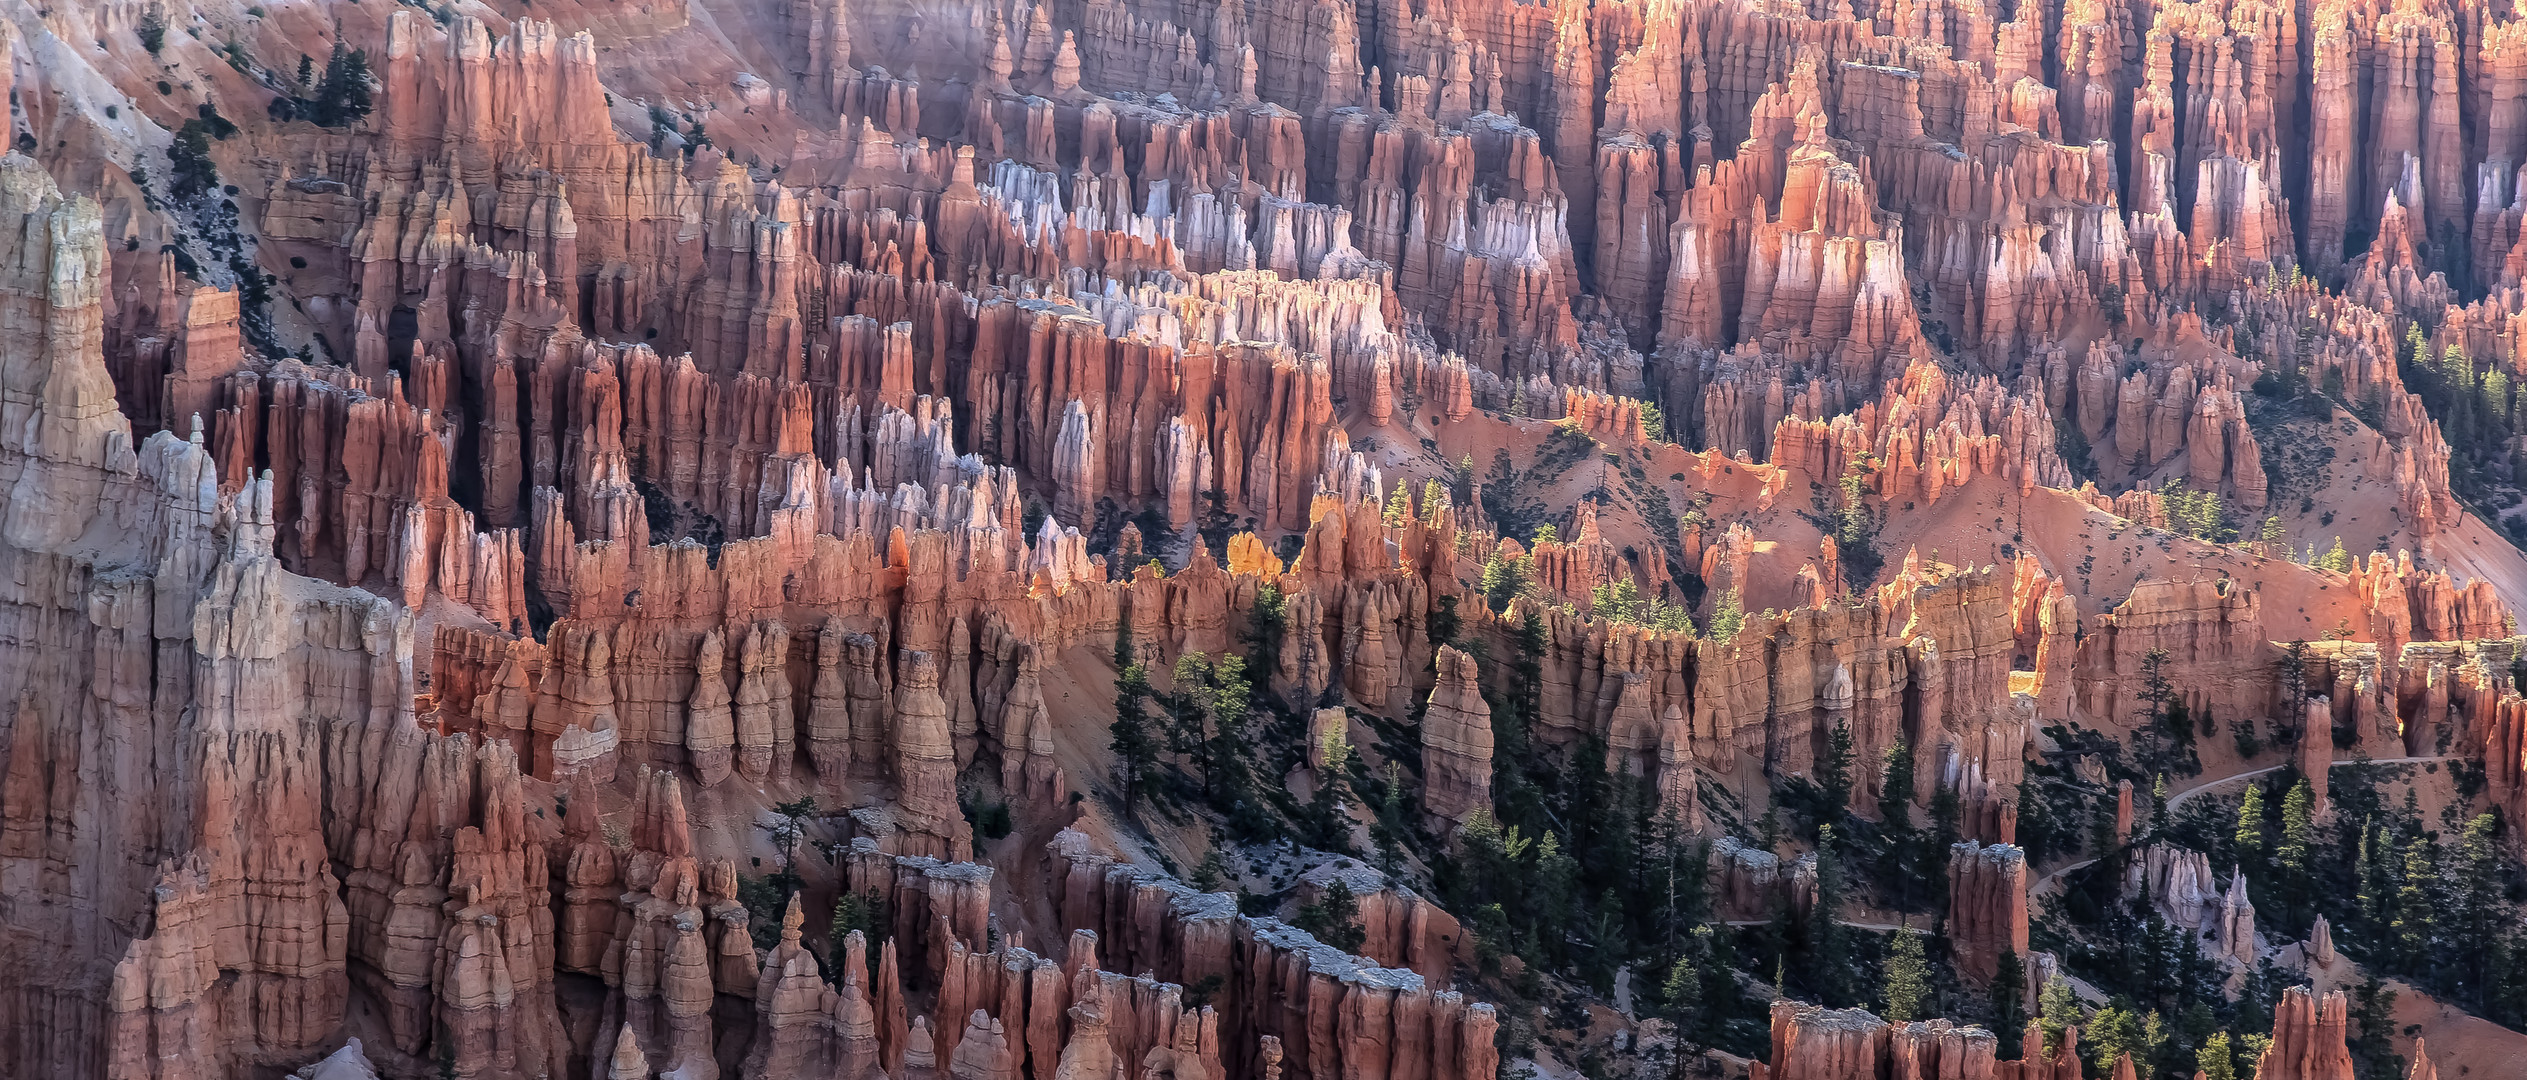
2217	1060
1895	786
2250	829
2111	1034
1188	709
788	827
2369	877
2056	1010
1549	899
1728	618
2372	1025
1324	809
1833	780
2038	833
2415	917
1503	579
2290	856
863	912
2290	672
1828	962
2009	1003
1683	994
1211	873
152	29
2336	558
1907	977
2478	904
343	96
1228	758
1135	746
1334	919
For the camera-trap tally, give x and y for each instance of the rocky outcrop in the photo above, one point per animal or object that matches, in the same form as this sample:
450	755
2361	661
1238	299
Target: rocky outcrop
1456	737
2308	1034
1353	1011
1814	1043
1987	906
2180	886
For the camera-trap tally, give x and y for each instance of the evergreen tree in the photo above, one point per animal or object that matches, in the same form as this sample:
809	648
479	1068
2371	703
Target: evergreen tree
1833	781
1434	500
2372	1034
343	96
2217	1060
2290	856
1682	993
1333	788
787	827
2290	672
1211	873
1444	623
1549	905
1907	867
1334	918
2101	836
2369	874
1728	618
1135	746
1188	710
2416	918
1907	977
191	173
861	912
1503	579
1895	786
2009	1008
1827	963
2336	558
2159	717
1677	874
1855	532
2056	1010
2110	1035
1228	757
2038	833
2250	829
2477	911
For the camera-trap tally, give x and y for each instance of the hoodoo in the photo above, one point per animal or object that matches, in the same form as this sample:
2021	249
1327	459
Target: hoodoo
1095	539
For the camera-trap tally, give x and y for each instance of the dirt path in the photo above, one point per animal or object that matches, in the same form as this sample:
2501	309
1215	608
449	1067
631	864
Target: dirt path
2177	799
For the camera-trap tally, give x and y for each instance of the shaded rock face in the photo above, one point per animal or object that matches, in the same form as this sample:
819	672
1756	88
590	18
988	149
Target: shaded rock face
2308	1037
1987	906
1456	733
1814	1043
